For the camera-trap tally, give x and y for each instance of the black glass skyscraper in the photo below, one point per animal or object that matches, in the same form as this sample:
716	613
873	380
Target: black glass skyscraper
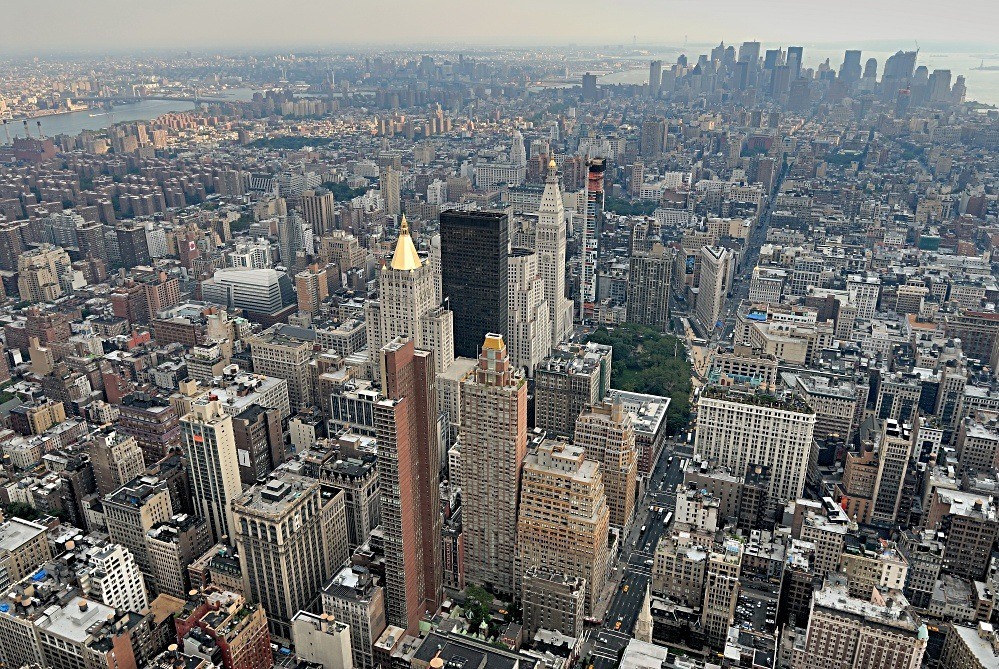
474	249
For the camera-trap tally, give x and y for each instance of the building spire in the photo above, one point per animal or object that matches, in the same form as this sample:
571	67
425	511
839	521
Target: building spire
405	256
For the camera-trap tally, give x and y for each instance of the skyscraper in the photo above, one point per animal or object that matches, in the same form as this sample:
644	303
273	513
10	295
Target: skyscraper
408	307
736	429
210	448
529	336
390	191
721	592
608	435
655	78
794	59
409	464
291	534
850	70
563	516
550	243
894	451
716	272
474	249
649	276
493	445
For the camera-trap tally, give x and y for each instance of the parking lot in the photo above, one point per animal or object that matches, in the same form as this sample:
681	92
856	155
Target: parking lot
756	611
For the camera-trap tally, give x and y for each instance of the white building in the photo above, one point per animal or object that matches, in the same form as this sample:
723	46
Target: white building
117	580
735	430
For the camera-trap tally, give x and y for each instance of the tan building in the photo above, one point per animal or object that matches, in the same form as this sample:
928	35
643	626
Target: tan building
210	447
133	510
172	546
563	517
716	275
281	351
311	288
970	647
116	459
408	306
23	546
290	533
845	631
679	569
721	592
875	563
354	597
573	378
39	272
493	440
608	435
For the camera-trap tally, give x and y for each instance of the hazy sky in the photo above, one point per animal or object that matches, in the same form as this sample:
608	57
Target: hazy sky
50	26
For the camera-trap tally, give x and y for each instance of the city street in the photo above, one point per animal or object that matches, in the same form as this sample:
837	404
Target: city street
637	552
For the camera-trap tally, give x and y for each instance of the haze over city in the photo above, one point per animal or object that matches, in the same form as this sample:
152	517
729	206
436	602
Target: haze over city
101	26
507	335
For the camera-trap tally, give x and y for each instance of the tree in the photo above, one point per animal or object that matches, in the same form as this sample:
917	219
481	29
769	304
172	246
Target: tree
21	510
645	360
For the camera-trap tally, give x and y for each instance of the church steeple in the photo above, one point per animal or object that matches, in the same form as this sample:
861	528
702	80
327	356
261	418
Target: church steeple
405	256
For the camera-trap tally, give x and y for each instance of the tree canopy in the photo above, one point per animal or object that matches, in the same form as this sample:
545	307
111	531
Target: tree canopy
648	361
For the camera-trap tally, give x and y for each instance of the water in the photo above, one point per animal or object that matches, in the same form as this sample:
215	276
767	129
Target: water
73	123
983	85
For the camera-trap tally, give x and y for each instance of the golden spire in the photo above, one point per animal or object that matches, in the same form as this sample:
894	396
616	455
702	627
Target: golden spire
405	256
552	165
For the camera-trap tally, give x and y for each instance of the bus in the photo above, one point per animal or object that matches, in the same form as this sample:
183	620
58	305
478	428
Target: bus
667	519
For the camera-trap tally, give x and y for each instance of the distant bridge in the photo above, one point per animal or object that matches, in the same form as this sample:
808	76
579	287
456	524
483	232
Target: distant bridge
128	99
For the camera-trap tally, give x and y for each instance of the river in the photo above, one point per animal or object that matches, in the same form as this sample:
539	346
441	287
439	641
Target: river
73	123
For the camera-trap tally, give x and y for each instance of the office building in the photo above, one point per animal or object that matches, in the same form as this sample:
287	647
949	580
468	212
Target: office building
493	446
210	449
116	459
361	484
408	307
389	187
649	276
563	517
259	442
550	245
284	352
474	249
735	429
354	597
318	208
290	533
845	631
655	77
970	647
716	274
529	337
264	294
134	509
409	461
607	433
173	545
311	288
573	378
721	592
554	601
893	454
23	546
